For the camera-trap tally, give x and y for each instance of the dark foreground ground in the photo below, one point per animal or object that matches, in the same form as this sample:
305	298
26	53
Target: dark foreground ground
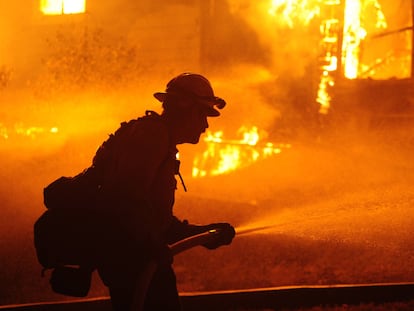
338	210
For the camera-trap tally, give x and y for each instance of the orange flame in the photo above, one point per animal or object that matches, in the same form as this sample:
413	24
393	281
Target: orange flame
354	33
302	12
294	11
224	156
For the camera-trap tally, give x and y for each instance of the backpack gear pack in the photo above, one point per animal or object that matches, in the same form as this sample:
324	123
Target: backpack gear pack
68	235
67	242
80	191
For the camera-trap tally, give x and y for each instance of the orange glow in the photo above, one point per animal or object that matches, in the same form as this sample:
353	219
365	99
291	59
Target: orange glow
302	12
57	7
294	11
330	32
3	132
25	131
223	156
351	29
323	97
354	33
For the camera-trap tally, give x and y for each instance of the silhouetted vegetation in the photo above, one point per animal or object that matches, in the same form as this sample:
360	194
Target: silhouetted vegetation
88	58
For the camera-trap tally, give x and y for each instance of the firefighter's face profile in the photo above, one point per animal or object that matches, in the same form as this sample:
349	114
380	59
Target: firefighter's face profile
195	124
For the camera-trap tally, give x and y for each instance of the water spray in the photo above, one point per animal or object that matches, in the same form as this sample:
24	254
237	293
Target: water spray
249	230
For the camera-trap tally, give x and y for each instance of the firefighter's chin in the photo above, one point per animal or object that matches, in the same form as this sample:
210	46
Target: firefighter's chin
190	140
193	137
195	140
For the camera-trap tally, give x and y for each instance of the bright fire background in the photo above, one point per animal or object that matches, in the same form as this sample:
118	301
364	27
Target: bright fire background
53	7
336	198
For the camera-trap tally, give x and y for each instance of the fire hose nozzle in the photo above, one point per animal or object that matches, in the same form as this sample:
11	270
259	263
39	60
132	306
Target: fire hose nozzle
213	231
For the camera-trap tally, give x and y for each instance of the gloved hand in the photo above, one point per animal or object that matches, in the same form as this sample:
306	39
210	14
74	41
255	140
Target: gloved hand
224	236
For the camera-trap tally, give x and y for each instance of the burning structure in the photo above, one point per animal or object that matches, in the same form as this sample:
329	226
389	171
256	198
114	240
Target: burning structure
326	59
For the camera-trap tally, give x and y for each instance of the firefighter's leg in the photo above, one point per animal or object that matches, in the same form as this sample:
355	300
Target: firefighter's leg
162	293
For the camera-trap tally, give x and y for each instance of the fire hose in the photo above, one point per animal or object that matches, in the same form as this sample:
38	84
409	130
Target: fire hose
176	248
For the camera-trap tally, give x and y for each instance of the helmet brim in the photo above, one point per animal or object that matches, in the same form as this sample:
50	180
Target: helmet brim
205	103
160	96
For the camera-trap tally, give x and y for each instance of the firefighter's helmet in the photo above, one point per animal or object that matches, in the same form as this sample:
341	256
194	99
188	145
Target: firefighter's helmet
194	86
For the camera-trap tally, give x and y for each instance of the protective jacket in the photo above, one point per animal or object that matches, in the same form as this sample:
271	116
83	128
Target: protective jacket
137	167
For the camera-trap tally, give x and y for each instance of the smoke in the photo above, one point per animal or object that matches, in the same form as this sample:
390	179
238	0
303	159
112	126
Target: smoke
288	47
247	104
